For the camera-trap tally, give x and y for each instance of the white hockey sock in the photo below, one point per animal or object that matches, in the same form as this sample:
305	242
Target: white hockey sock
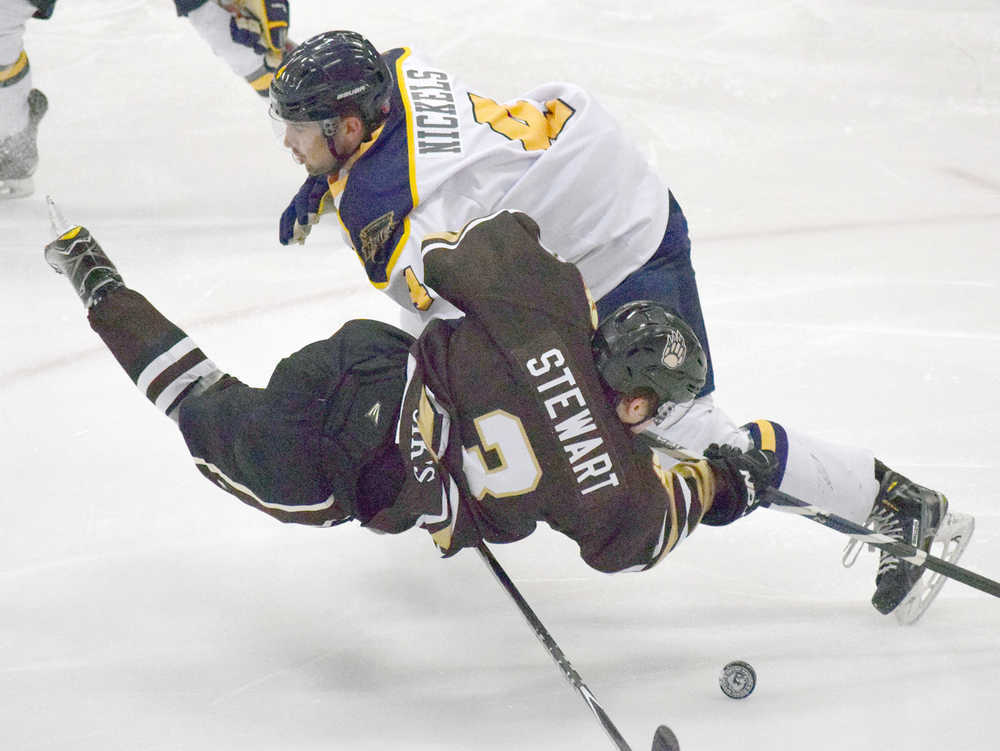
834	477
15	72
14	107
837	478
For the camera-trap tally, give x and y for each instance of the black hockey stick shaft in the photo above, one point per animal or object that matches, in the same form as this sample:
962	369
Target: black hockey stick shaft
664	734
553	649
791	504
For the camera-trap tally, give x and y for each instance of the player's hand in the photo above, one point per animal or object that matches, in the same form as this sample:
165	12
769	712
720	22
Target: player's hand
748	473
304	210
259	24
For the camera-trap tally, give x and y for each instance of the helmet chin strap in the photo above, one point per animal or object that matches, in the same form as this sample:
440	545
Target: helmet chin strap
330	126
341	158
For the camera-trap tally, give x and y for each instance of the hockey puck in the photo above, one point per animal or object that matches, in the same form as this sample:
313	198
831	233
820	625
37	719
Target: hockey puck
737	680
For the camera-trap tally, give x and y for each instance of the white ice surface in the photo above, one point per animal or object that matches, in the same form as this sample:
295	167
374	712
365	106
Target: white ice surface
840	167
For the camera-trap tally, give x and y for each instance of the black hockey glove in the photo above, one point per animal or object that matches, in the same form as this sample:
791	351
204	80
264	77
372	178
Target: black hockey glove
45	8
76	254
742	478
304	210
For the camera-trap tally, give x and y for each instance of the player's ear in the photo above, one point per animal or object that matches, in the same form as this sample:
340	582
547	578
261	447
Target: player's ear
634	409
353	126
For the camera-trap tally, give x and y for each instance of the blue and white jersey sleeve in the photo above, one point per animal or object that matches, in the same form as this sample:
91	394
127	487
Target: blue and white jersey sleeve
450	153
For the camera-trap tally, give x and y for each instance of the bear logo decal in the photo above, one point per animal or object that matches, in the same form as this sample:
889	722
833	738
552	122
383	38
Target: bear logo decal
674	351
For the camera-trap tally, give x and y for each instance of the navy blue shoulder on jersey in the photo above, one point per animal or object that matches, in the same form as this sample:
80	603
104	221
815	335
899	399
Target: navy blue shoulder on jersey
378	196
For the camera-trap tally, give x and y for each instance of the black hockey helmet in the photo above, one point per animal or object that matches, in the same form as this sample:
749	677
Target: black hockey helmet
331	74
642	345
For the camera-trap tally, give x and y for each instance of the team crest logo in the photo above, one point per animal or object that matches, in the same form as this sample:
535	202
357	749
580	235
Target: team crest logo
674	351
375	235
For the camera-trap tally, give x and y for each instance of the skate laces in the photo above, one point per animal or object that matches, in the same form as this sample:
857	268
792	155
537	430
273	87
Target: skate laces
884	521
890	515
887	521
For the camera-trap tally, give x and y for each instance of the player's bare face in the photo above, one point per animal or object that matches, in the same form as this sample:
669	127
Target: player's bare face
309	148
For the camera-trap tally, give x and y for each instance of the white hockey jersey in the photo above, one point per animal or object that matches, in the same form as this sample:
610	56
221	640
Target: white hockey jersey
448	154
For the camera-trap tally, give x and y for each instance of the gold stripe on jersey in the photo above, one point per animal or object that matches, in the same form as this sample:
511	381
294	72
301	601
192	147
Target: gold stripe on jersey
11	74
414	197
426	418
595	319
768	441
451	498
442	538
690	488
260	80
338	182
448	238
422	299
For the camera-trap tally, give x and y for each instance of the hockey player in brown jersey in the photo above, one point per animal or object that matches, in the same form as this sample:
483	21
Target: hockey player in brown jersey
480	429
511	415
398	147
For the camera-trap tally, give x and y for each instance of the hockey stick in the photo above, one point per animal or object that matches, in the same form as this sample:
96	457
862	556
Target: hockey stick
663	740
792	505
909	553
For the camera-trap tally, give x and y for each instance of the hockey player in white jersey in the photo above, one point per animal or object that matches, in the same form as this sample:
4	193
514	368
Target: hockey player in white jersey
21	105
250	35
398	147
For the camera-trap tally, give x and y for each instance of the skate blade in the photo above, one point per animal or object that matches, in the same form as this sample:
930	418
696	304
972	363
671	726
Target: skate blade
57	221
949	543
16	187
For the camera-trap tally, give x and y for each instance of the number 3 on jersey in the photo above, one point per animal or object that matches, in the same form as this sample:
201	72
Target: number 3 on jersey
518	472
523	121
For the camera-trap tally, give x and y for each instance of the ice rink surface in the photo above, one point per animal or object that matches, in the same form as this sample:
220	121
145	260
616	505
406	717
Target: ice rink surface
839	163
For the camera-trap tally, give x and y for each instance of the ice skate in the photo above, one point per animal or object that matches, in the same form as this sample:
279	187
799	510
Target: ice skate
19	152
76	254
909	513
917	516
949	543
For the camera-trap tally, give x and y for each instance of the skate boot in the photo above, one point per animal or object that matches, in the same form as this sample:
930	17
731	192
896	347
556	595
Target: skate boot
911	514
76	254
19	152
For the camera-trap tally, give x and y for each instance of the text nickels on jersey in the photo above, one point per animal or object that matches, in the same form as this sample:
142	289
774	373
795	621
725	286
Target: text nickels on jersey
434	112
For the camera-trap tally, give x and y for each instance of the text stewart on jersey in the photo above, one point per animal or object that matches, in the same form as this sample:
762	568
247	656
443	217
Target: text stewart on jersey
509	405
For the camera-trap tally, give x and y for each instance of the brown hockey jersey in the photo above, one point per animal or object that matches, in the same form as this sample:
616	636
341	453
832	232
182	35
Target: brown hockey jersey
505	422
